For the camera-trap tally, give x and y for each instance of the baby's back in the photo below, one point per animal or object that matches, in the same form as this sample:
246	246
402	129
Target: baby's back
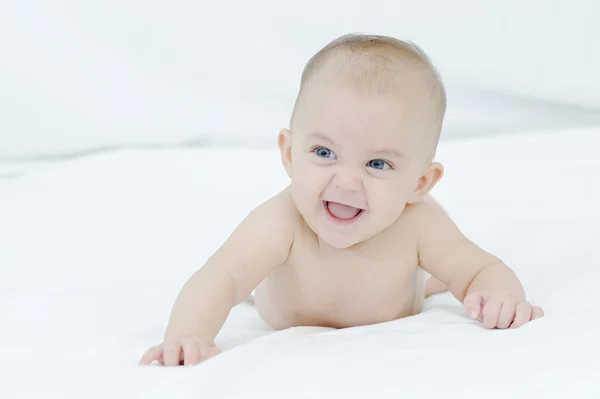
375	281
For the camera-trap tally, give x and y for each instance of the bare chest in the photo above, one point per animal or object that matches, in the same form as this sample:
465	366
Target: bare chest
342	277
343	288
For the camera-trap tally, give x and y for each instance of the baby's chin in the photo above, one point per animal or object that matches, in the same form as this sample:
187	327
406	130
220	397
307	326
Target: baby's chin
339	240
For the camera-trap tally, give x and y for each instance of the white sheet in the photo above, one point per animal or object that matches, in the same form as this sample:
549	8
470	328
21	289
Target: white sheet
93	74
93	252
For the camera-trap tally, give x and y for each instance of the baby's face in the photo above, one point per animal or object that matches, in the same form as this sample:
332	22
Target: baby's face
356	160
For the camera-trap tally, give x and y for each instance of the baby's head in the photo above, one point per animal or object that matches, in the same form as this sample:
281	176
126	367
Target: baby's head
362	136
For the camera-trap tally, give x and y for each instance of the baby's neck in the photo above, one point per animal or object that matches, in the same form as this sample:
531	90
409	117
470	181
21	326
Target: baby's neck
367	248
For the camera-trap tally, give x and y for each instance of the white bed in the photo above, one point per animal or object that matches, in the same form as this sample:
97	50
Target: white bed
93	252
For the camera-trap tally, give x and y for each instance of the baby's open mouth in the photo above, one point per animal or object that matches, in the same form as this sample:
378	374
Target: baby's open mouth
342	212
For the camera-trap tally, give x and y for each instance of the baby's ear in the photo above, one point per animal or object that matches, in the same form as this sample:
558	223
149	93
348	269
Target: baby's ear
427	181
284	141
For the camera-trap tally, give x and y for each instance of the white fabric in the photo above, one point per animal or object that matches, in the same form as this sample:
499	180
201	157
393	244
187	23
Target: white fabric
109	73
93	252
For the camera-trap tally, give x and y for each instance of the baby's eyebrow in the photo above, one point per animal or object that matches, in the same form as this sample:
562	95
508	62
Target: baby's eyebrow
389	151
317	135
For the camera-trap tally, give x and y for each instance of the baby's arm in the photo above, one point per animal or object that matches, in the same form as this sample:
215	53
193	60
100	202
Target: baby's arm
261	242
489	289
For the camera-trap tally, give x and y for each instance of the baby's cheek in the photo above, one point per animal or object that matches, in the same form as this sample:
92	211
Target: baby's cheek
304	187
393	197
311	176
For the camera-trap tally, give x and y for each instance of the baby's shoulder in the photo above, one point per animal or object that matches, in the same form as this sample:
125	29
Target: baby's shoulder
423	212
270	226
280	208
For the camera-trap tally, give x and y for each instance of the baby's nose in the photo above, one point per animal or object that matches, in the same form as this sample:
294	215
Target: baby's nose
347	179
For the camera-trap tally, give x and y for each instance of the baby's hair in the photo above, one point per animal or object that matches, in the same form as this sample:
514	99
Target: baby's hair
373	61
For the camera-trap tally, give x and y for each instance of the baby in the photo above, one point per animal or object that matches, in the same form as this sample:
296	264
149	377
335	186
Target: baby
346	243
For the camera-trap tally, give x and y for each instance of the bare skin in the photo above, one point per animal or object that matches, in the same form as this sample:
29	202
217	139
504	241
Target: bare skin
323	286
347	242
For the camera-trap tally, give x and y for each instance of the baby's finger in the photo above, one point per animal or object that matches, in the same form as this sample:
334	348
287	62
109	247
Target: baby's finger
191	352
507	314
522	316
472	304
151	355
536	313
491	312
171	354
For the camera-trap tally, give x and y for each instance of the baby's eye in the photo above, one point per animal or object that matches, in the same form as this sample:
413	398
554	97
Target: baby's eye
324	152
378	164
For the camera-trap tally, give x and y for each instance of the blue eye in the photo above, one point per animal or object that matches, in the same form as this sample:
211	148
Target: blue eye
378	164
323	152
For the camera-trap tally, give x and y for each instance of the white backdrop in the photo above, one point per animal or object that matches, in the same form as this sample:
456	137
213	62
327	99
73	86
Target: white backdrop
85	74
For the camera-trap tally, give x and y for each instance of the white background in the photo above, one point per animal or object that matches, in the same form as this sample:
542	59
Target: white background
79	75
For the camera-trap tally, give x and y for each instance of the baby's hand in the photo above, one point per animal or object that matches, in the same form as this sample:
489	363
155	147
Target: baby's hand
499	309
186	351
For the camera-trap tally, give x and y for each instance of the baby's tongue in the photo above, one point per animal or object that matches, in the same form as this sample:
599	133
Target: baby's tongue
342	211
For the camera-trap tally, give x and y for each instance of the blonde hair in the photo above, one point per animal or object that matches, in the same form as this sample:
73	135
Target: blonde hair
374	59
